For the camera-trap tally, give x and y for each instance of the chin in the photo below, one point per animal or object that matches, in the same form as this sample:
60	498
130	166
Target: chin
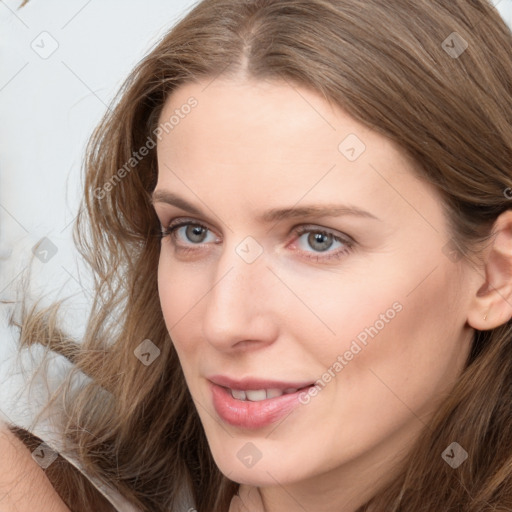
262	472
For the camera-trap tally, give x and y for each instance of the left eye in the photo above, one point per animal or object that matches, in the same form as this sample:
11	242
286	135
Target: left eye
319	240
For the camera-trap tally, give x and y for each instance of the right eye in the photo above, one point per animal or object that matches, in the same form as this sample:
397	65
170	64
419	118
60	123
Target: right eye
188	233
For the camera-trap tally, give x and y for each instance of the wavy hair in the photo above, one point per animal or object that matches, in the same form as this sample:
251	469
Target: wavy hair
386	63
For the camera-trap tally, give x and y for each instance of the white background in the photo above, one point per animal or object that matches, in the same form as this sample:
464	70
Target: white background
48	109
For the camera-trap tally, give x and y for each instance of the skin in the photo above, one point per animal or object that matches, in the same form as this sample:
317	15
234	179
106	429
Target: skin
24	486
250	146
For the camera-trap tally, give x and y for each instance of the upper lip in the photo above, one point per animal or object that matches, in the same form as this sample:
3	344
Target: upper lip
252	383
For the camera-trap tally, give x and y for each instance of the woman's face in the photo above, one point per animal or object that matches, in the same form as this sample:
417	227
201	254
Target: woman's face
304	250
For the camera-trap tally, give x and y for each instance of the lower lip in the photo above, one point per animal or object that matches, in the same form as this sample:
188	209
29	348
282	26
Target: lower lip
252	415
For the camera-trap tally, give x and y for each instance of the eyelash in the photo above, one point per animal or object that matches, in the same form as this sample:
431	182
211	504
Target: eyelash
170	231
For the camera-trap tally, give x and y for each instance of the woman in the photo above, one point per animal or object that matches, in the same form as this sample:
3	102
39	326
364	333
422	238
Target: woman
298	216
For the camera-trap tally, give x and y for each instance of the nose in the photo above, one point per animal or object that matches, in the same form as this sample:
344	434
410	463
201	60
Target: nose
240	308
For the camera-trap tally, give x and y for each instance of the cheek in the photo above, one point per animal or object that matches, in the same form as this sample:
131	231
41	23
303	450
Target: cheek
180	289
177	298
393	320
164	289
348	310
417	354
171	287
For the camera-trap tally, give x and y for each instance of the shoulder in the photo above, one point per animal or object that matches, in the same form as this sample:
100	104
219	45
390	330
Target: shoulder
23	484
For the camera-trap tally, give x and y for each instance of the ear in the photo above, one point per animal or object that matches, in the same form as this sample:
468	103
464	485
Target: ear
491	306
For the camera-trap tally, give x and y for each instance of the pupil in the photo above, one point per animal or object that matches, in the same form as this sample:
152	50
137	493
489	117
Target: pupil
320	241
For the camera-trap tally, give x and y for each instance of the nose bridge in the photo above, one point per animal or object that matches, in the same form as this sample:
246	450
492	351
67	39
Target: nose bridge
240	268
237	305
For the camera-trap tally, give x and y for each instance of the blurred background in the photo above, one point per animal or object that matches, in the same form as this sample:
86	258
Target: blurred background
60	65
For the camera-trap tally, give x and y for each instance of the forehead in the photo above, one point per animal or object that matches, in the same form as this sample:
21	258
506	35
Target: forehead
278	143
242	122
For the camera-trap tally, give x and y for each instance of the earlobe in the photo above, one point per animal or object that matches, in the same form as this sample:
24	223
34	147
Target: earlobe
492	303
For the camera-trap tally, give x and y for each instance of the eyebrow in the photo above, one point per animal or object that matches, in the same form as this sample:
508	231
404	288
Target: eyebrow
274	214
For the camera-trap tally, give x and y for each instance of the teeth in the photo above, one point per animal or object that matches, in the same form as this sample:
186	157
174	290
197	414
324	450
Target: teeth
256	395
260	394
239	395
274	393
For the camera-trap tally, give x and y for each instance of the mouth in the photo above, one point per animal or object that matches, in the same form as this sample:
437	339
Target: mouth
253	404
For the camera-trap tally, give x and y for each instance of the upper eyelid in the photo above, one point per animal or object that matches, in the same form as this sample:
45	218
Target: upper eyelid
161	211
186	220
315	227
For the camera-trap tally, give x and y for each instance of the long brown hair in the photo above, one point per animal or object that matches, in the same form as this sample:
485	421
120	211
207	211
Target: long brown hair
435	76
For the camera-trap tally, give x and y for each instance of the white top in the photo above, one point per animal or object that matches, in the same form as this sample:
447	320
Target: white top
19	404
52	446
